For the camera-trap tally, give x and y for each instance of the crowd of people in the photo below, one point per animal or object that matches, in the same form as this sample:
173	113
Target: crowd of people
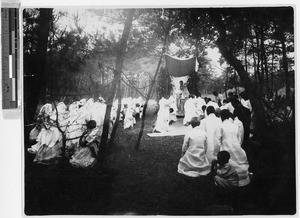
214	147
81	125
221	128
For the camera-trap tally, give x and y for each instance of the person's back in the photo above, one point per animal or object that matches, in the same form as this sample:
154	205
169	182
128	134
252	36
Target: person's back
209	125
189	110
226	138
194	162
244	116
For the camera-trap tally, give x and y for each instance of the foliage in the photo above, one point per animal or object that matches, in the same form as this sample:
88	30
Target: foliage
193	83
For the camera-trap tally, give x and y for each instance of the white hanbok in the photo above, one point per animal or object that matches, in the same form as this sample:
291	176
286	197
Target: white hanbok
226	138
239	123
229	107
212	103
246	104
163	116
172	101
194	162
209	125
190	110
199	103
129	119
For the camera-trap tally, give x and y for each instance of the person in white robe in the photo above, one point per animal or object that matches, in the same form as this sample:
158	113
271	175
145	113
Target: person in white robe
190	110
85	156
228	106
163	116
129	119
212	103
226	138
42	119
182	94
245	101
50	137
240	126
173	112
199	103
209	125
193	161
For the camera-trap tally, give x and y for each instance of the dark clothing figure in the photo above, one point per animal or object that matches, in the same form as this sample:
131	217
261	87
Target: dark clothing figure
244	116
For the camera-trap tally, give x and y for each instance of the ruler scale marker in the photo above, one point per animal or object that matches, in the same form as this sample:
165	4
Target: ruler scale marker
10	56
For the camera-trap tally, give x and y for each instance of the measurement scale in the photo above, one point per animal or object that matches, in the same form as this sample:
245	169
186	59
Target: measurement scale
10	56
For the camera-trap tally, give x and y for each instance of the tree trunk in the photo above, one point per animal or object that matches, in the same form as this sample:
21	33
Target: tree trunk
115	127
272	69
137	145
117	75
262	56
255	98
36	84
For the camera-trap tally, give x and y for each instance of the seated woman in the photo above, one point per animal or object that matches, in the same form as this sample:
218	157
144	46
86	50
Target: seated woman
43	116
226	138
85	155
50	138
50	143
193	162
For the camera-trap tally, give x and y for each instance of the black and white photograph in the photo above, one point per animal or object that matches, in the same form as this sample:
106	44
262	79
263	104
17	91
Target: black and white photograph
159	110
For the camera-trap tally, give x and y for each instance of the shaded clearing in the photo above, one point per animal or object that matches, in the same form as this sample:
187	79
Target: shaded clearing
146	182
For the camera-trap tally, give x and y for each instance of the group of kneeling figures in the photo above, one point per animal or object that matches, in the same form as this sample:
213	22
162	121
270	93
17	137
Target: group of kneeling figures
214	147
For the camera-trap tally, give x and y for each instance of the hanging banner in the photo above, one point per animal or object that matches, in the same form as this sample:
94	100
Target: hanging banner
180	67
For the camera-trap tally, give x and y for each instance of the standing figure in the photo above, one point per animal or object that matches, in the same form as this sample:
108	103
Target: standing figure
244	116
182	94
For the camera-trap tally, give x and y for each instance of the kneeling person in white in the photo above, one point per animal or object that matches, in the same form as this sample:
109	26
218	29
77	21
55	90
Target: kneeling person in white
194	162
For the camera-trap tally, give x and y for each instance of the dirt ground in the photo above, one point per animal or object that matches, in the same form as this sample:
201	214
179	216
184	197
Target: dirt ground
146	182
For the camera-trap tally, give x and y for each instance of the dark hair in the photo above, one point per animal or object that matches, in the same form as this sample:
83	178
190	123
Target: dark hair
91	124
235	102
215	93
218	112
244	95
171	110
210	110
203	108
195	122
225	114
223	157
191	96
